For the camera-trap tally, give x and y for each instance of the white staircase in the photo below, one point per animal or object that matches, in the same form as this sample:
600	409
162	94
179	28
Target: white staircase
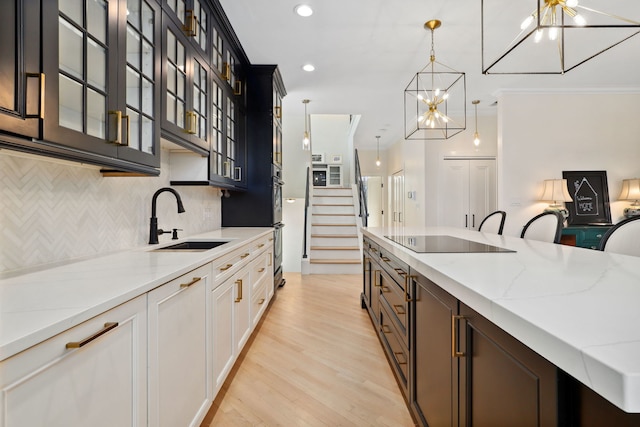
335	242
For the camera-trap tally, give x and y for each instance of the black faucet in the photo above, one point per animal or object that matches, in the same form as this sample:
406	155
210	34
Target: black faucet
153	229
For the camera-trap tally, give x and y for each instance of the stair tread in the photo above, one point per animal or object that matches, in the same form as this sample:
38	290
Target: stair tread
333	214
333	225
335	248
351	236
331	204
335	261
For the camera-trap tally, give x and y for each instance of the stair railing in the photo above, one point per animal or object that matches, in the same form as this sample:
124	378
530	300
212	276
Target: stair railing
362	192
306	214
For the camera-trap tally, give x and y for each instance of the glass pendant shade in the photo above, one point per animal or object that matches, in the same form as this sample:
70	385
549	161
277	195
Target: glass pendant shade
435	100
306	137
552	36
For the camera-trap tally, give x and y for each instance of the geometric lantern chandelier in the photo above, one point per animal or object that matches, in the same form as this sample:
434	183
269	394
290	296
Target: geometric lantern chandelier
552	36
435	99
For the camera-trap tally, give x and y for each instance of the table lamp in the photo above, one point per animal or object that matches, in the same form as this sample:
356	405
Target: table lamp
555	191
631	191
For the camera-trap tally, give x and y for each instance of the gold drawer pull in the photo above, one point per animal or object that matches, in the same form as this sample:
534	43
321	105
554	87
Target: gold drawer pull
260	245
404	358
239	283
195	280
385	289
243	256
271	239
385	329
261	270
454	336
399	309
225	268
385	259
261	301
400	271
376	274
107	327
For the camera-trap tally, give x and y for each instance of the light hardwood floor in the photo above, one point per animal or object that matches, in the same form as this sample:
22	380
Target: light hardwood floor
314	360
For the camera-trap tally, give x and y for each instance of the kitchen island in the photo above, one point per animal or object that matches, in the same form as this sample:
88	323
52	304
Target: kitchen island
575	309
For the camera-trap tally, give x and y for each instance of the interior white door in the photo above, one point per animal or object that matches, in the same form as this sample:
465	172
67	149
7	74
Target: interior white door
468	192
397	217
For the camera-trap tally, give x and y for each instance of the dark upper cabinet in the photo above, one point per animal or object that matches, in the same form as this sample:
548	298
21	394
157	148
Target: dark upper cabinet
257	205
102	93
84	83
21	81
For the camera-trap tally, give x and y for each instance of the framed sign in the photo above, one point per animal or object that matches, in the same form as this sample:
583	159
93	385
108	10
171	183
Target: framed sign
590	194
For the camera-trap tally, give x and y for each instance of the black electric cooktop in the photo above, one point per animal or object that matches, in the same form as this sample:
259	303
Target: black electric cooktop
443	244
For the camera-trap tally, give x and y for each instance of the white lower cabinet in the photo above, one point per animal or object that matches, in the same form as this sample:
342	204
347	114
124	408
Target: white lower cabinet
94	374
156	360
231	323
180	387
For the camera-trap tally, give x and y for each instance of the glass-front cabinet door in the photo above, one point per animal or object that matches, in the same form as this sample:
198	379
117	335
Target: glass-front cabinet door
21	82
185	89
102	80
228	149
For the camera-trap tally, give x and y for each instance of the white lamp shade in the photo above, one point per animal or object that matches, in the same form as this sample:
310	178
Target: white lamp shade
555	190
630	189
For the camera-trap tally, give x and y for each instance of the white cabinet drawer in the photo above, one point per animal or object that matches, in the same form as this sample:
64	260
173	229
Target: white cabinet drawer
94	374
259	300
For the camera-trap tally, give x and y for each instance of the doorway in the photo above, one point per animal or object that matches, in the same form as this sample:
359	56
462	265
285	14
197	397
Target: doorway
373	187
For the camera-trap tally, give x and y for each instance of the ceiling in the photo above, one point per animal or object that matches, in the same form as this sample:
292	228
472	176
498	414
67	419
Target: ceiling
366	52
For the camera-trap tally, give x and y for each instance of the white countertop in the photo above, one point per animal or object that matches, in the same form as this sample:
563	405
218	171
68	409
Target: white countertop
38	305
578	308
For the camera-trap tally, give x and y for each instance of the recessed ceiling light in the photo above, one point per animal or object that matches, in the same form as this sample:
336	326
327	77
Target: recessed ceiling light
308	67
304	10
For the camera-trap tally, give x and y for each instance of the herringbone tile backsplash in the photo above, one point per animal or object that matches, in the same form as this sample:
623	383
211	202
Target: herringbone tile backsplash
53	212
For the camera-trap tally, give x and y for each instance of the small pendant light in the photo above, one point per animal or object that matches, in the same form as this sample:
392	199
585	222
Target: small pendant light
306	138
378	157
476	135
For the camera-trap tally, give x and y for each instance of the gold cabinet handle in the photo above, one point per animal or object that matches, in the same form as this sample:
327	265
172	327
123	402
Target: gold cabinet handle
407	282
226	169
278	111
376	282
385	259
237	87
260	245
261	301
41	91
404	358
385	329
194	281
400	271
127	130
270	260
271	239
385	289
237	175
107	327
261	270
239	283
399	309
115	127
244	255
191	122
226	267
454	336
226	71
191	26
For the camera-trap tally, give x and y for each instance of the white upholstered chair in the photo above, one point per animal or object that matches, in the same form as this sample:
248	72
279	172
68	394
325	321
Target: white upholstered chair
623	238
493	223
546	227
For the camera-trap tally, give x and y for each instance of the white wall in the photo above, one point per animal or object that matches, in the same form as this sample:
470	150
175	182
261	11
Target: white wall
542	134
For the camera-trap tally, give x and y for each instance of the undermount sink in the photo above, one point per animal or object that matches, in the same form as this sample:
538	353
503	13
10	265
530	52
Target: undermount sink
194	245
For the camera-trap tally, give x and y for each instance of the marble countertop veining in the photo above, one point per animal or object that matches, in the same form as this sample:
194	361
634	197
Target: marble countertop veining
37	305
578	308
